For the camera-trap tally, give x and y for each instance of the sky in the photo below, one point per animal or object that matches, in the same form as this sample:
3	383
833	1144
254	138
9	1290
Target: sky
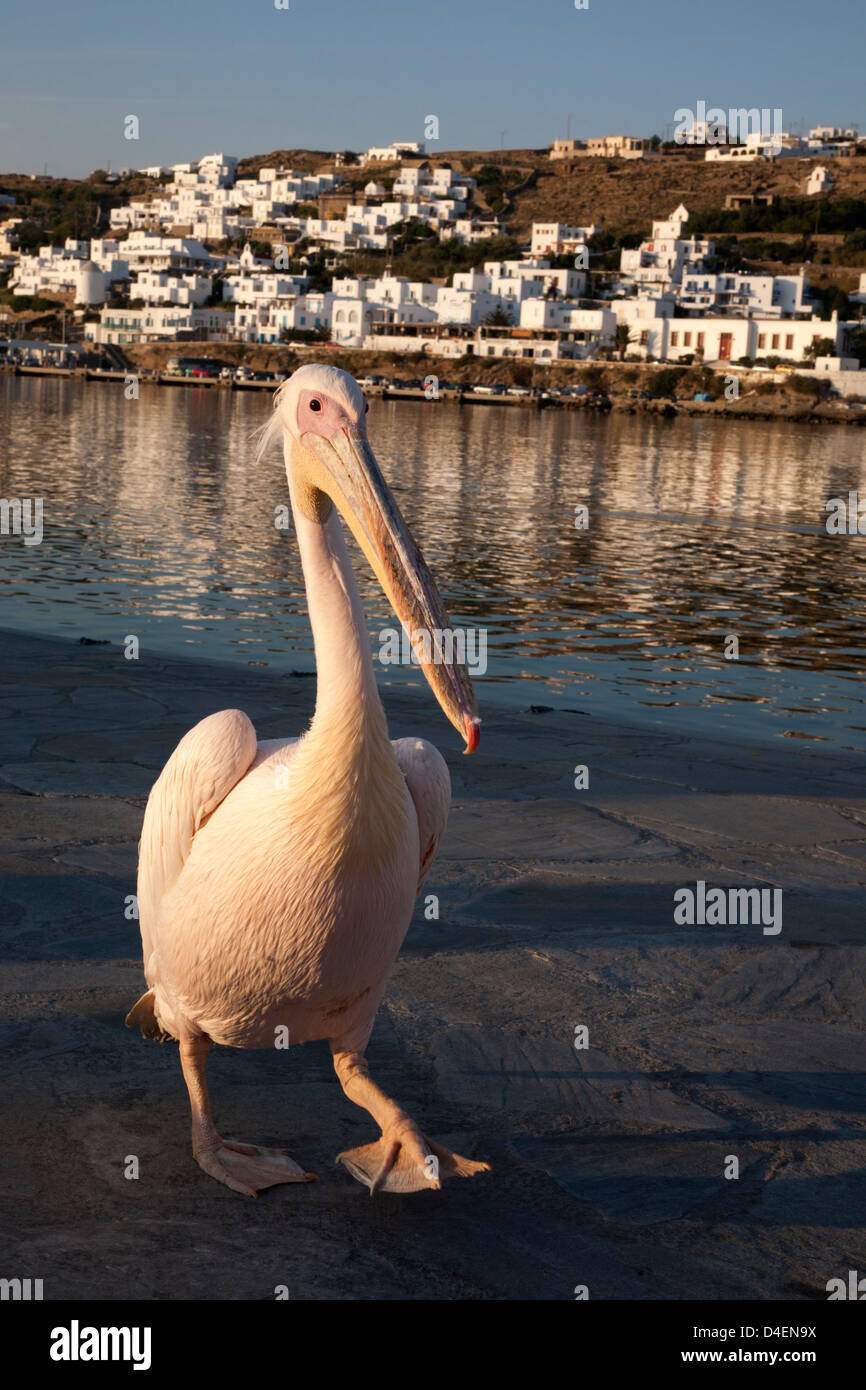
246	77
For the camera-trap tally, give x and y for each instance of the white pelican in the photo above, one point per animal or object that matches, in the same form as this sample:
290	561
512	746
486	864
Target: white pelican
277	879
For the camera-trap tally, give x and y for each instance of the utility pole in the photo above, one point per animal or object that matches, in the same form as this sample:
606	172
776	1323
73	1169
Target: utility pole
501	140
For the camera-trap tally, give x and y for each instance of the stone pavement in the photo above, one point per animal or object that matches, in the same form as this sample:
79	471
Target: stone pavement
556	914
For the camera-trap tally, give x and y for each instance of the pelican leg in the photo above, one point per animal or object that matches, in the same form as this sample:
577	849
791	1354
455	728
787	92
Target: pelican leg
244	1168
404	1159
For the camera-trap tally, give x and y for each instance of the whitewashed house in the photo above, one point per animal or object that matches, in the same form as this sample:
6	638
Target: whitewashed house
468	231
390	154
157	287
617	147
597	324
155	322
54	270
726	339
144	250
661	259
766	295
558	239
819	181
644	315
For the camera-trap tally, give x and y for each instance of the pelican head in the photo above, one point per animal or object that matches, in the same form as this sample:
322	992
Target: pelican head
321	413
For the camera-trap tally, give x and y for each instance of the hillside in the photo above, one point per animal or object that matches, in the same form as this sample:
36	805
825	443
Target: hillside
628	194
523	185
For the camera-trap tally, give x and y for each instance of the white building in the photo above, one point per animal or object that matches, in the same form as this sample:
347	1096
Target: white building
269	321
558	239
827	134
220	169
90	288
159	287
469	230
725	339
441	182
453	340
390	154
145	250
661	259
767	295
617	147
54	270
155	322
598	323
644	314
260	287
9	236
703	132
733	154
510	282
819	181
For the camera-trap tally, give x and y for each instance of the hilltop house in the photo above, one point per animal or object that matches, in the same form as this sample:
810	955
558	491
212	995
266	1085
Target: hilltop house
391	154
662	258
557	239
617	147
819	181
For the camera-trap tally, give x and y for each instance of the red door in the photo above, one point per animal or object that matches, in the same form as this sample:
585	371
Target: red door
725	341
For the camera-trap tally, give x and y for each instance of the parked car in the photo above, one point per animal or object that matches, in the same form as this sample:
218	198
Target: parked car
489	390
227	373
574	391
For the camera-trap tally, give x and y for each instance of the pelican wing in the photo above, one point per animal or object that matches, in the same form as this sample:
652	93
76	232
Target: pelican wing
429	785
207	763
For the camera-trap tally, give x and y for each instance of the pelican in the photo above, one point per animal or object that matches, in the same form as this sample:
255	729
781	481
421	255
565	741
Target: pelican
277	878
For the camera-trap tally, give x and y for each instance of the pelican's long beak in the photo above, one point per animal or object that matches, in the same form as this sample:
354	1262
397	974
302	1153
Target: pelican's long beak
363	497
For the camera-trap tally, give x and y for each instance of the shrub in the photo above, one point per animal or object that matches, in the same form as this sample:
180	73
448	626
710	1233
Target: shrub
593	376
664	382
804	385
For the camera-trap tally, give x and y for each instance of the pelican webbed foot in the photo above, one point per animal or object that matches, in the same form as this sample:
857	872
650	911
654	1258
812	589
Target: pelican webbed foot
244	1168
404	1160
248	1168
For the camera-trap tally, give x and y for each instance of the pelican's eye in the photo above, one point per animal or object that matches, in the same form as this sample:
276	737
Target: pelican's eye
315	404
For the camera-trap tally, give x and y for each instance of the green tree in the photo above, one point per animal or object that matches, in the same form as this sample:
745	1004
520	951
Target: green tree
498	318
820	347
623	338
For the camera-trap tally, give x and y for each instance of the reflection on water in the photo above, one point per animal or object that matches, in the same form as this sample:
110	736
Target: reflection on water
159	523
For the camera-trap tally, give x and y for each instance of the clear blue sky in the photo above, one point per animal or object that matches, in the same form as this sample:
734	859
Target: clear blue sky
246	78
